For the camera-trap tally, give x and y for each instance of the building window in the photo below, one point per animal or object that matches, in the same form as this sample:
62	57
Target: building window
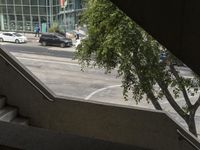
12	17
34	2
34	10
25	2
42	2
10	2
10	9
2	9
18	10
26	10
3	1
18	2
27	18
42	10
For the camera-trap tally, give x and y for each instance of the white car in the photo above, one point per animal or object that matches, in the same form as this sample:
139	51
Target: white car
12	37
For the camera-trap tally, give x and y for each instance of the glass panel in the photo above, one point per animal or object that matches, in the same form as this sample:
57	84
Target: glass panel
34	10
35	19
10	9
11	17
42	10
42	2
5	22
55	10
43	19
26	9
10	1
2	9
2	1
19	18
27	18
55	2
18	2
34	2
20	25
25	2
12	26
27	25
18	9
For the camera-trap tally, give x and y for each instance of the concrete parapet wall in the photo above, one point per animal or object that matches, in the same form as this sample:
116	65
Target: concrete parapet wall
17	137
122	124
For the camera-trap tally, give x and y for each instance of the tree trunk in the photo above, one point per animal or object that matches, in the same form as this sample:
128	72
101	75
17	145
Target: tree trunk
154	101
191	125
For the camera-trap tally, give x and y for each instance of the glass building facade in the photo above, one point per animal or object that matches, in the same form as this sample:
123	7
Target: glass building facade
72	13
25	15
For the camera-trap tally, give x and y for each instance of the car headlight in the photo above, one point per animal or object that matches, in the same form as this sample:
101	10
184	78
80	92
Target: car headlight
21	39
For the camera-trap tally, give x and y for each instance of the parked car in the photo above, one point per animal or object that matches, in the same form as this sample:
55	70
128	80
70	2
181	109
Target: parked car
12	37
55	39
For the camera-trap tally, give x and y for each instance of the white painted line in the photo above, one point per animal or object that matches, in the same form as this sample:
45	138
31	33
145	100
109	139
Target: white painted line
100	90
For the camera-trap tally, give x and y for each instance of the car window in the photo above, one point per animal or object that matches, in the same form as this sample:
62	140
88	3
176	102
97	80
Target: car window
60	36
55	37
7	34
46	36
17	34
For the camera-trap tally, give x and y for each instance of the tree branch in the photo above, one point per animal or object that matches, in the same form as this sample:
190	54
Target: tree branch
151	96
197	104
175	73
154	100
171	100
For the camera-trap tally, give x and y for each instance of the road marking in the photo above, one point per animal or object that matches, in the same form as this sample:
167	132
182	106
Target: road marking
100	90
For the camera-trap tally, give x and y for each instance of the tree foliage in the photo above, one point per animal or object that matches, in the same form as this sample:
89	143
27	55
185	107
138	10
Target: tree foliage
54	28
115	41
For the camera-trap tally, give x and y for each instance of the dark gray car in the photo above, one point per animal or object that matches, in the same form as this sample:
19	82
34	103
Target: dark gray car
55	39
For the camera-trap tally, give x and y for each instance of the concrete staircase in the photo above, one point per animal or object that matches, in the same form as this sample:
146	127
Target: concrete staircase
10	113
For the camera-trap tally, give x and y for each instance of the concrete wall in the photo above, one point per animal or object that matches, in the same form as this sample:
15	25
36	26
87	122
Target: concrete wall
126	125
17	137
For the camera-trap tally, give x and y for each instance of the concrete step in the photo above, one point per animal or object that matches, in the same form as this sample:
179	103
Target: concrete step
8	113
20	121
2	101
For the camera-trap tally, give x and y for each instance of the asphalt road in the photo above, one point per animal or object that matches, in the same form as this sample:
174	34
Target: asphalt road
55	68
40	50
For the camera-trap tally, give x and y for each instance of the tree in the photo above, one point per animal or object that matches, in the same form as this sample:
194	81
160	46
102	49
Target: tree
54	28
115	41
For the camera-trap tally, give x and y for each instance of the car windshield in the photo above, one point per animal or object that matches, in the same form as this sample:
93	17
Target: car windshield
61	37
17	34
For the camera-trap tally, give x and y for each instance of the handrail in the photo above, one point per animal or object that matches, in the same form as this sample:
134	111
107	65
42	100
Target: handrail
183	137
27	79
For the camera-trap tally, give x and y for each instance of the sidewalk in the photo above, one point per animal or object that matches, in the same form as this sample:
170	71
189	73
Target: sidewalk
31	37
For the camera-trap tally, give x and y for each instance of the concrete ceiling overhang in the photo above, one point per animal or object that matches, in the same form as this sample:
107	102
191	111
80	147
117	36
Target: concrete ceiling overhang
174	23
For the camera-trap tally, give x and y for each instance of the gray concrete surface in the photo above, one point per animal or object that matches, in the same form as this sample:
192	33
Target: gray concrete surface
117	123
56	69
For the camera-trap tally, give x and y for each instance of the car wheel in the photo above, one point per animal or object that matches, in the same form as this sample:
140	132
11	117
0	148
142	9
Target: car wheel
62	45
44	43
17	41
1	40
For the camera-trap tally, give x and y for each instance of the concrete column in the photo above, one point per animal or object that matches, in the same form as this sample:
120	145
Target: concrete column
2	22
